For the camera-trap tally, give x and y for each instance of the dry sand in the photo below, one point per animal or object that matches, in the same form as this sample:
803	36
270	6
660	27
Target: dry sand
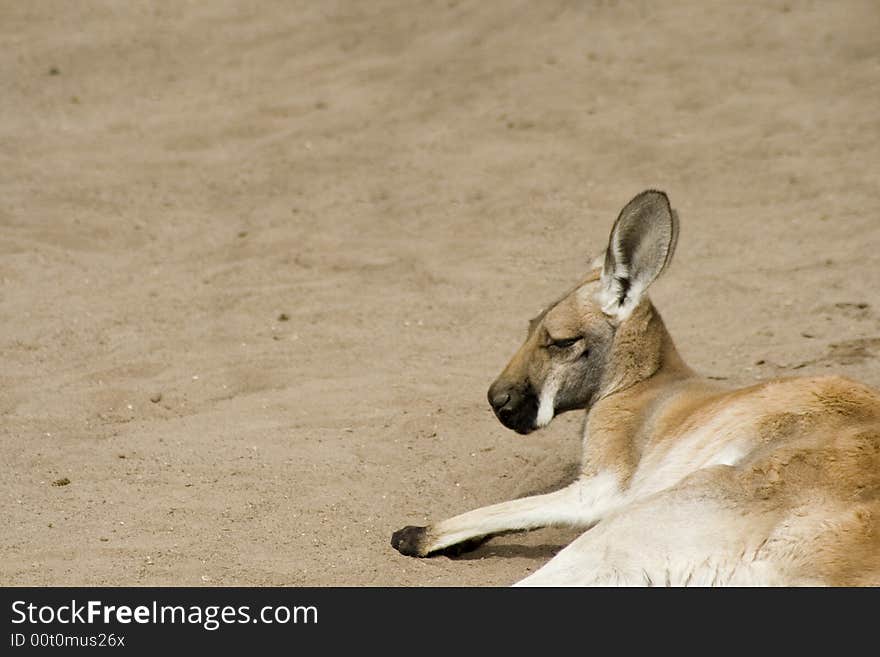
317	230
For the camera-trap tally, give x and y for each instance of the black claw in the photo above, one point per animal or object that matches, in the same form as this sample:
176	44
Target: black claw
409	540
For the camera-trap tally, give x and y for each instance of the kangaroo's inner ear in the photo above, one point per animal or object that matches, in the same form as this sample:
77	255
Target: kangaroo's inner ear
641	246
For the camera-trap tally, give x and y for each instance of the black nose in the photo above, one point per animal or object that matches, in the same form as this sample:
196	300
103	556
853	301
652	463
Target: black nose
499	399
505	401
515	406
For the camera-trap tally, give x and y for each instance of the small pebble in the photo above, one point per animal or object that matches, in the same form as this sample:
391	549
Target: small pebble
61	482
283	317
156	397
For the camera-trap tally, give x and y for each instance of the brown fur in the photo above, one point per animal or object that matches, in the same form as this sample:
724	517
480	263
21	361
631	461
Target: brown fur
817	451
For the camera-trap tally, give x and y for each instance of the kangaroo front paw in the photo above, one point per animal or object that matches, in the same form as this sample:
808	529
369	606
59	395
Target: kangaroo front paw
411	541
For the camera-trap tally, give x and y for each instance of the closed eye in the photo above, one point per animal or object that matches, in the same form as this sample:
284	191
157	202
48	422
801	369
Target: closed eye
565	344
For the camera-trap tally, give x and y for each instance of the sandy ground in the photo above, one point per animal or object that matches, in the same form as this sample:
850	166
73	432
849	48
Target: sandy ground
318	229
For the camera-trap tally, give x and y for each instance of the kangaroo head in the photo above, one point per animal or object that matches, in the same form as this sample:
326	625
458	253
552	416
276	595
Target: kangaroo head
603	335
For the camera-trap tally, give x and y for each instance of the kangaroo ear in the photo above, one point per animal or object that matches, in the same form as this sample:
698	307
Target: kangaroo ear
641	246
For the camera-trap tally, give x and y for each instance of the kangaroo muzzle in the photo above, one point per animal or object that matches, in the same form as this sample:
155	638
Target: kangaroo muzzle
516	407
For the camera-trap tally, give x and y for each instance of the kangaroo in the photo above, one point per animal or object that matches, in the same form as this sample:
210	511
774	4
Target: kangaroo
682	481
